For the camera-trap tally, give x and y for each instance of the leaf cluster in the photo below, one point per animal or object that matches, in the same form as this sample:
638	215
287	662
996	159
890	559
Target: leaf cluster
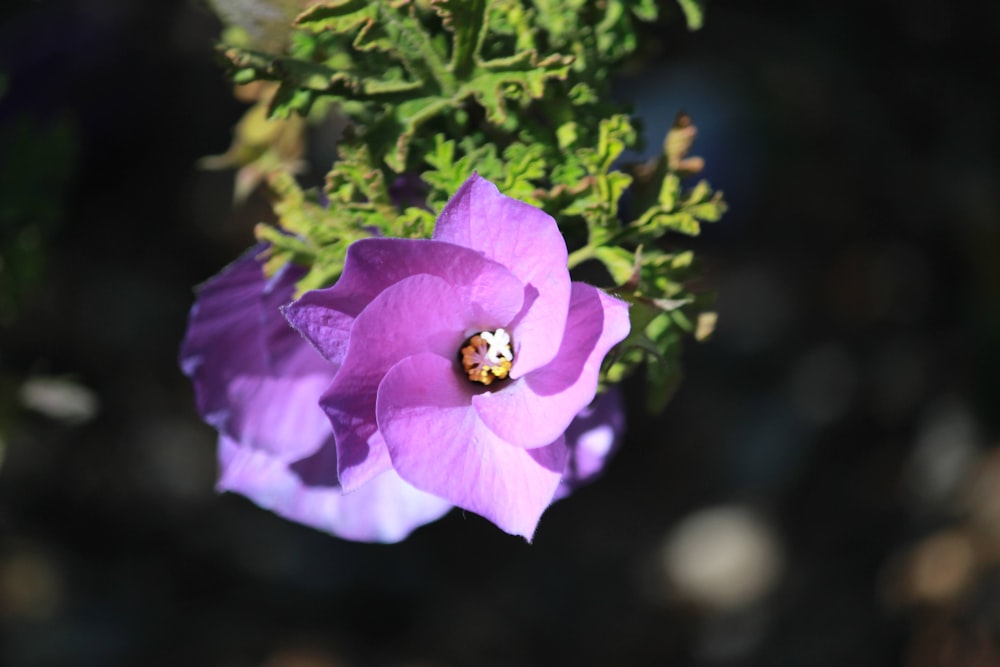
514	89
667	303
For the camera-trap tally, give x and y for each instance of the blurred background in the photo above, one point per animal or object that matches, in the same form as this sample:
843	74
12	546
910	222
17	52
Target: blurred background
823	491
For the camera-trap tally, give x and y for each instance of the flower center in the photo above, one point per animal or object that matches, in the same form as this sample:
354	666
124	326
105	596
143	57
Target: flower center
487	356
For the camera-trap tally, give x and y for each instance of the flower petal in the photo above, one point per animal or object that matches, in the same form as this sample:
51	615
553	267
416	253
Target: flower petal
536	409
387	509
279	414
372	265
592	438
528	242
254	379
258	381
438	444
225	306
422	313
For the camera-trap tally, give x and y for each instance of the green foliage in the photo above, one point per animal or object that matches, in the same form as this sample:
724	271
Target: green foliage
516	90
694	13
665	306
384	55
261	146
37	165
514	172
261	23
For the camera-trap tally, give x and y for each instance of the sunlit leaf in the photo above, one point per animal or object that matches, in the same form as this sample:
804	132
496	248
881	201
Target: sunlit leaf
694	14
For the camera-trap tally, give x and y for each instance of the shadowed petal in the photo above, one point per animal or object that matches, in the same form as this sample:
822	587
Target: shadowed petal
386	509
240	355
527	241
259	382
540	406
592	438
277	413
372	265
438	444
227	305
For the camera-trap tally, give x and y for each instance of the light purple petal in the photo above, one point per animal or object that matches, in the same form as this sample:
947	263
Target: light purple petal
593	437
438	444
277	413
316	316
259	382
527	241
540	406
226	305
387	509
240	354
422	313
372	265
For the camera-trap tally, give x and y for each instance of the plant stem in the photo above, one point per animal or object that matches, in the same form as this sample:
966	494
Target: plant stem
580	255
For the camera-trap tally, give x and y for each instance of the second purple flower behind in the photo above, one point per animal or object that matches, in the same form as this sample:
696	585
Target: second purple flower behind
461	360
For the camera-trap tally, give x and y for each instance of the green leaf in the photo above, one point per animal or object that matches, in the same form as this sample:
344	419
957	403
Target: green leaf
467	20
447	173
409	41
355	179
340	16
655	222
394	132
496	80
705	325
616	134
594	194
291	206
670	191
694	13
385	26
619	262
523	166
417	223
645	10
566	135
663	376
512	27
581	94
710	211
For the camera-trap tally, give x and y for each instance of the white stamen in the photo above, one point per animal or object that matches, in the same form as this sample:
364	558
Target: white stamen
499	343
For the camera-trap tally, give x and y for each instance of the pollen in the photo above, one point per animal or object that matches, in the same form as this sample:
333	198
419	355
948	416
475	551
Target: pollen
487	356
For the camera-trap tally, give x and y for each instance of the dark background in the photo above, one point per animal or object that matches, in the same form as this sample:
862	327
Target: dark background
828	460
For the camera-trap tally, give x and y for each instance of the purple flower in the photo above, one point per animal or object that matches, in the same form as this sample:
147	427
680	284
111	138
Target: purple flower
459	362
258	382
